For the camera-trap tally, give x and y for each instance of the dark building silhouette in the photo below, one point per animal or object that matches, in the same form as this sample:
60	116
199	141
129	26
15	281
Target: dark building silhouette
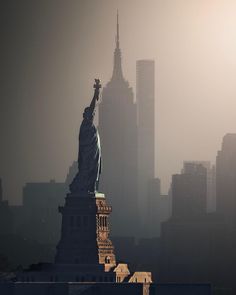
158	208
145	97
6	220
152	217
118	131
189	191
40	218
211	183
194	244
194	249
226	179
18	245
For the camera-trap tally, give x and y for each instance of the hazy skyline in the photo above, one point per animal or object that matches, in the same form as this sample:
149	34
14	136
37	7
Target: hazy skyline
52	51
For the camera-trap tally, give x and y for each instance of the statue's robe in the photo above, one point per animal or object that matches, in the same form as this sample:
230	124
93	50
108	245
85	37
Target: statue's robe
89	159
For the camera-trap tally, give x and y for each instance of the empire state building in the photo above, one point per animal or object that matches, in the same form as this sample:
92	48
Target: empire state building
118	131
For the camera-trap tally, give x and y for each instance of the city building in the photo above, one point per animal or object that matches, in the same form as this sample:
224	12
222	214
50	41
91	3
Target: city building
211	183
195	249
226	180
152	217
6	220
189	191
193	241
145	99
40	219
158	209
118	131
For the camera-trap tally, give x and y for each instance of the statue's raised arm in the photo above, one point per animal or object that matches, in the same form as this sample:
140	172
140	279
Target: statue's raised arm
96	87
89	111
89	159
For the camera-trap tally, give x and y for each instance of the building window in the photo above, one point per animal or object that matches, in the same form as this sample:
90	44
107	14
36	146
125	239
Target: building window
107	259
100	221
105	221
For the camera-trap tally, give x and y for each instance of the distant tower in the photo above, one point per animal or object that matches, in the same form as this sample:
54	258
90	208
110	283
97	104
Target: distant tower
145	93
118	131
211	189
226	179
189	191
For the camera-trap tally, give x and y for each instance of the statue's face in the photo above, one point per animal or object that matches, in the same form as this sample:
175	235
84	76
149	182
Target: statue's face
88	115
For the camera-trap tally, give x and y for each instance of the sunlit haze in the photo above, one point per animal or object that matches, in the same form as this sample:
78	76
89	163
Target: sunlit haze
52	51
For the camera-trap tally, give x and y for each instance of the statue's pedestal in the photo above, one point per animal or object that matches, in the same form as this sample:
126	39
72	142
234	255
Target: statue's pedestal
85	231
84	253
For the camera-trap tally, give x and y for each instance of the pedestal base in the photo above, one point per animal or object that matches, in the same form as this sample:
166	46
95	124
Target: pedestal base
85	231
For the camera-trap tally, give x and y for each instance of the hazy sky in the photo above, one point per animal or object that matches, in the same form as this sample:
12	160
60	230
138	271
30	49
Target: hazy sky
51	50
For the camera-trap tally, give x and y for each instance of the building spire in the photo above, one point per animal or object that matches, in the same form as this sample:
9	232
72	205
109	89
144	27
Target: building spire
117	30
117	69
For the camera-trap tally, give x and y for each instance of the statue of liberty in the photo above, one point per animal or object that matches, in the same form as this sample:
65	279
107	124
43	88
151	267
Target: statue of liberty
89	158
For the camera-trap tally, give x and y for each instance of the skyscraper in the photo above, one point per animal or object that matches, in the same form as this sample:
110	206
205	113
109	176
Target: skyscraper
40	204
189	191
118	131
226	179
211	185
145	93
6	220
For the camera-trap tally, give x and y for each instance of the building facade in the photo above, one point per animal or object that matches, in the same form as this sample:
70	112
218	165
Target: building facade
189	191
226	179
40	207
6	218
211	182
118	131
145	97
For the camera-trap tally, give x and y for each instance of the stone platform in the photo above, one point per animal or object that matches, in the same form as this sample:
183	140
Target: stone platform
85	231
